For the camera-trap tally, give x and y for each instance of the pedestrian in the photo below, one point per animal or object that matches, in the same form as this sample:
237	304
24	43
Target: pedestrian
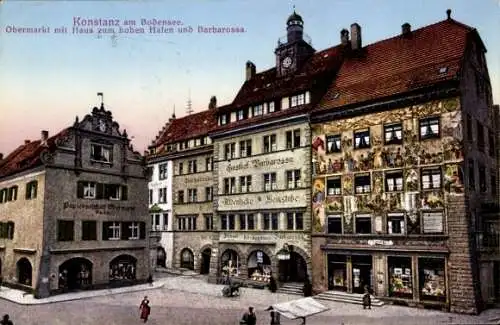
275	316
145	309
367	300
249	317
150	280
6	320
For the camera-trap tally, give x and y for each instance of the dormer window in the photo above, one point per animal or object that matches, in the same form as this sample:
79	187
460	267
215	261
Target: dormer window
443	70
242	114
223	119
270	107
297	100
258	110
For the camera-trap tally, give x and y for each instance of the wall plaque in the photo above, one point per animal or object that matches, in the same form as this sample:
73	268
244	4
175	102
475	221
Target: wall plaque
432	222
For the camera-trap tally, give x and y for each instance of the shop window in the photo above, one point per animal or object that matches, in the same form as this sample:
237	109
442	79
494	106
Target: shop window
337	271
333	143
65	230
362	139
431	178
432	222
362	183
363	224
429	128
394	181
400	277
431	273
334	224
396	223
259	266
334	186
230	263
393	134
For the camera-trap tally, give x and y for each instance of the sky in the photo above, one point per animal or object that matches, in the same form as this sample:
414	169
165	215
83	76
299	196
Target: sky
48	79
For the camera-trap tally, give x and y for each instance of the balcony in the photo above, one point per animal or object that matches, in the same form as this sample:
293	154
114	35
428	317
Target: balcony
284	39
488	242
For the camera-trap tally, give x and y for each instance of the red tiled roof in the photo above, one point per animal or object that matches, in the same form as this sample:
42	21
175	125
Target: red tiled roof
188	127
399	64
266	85
27	156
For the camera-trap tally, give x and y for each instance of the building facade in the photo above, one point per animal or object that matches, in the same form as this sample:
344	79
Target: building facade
402	170
84	191
186	145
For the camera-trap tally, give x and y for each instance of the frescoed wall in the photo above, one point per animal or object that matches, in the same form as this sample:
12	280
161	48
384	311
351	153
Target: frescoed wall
412	156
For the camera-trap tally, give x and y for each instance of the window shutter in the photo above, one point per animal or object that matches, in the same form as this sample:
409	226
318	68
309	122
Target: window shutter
105	230
99	191
15	193
28	187
105	190
125	230
124	193
79	190
35	185
142	230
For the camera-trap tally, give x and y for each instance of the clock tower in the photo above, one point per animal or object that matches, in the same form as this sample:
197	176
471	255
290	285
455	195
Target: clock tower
295	50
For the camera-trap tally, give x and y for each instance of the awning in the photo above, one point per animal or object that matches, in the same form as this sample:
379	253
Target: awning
300	308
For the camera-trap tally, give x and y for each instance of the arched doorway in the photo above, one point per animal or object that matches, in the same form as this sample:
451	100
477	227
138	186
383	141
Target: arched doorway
24	271
205	261
161	257
187	259
230	263
75	274
293	269
122	268
259	266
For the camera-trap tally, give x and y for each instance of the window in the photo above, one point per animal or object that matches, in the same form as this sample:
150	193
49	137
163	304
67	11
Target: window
334	224
181	168
229	151
192	166
229	185
208	193
270	107
242	114
493	182
162	195
87	190
89	230
209	164
223	119
245	184
394	181
209	222
270	221
395	223
362	183
101	153
12	195
150	173
334	186
297	100
333	143
186	223
246	148
400	277
115	192
294	221
293	178
472	175
431	178
491	144
363	224
3	195
163	171
258	110
192	195
470	136
65	230
150	196
482	179
480	136
180	197
31	189
7	230
270	182
393	134
227	222
155	222
362	139
111	231
429	128
293	139
270	143
133	230
247	221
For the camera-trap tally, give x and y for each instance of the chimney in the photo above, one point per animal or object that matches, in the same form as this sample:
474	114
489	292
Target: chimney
45	136
344	36
355	36
448	14
213	103
26	141
405	29
250	70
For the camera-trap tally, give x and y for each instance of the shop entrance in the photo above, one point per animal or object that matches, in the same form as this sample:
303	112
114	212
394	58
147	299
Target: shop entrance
362	266
75	273
337	272
205	261
293	269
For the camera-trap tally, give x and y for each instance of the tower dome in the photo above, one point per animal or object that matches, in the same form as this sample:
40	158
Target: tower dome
294	19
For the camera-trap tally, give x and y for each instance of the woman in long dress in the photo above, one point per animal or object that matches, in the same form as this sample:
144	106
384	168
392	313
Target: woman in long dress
145	309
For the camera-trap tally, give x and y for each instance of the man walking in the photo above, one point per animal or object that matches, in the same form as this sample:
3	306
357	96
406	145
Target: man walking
249	317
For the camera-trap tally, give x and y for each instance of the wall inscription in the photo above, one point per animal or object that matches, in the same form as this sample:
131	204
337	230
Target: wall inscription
262	238
259	163
289	199
198	180
99	208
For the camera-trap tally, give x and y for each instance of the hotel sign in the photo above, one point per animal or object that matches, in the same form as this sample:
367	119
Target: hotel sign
271	200
259	163
99	208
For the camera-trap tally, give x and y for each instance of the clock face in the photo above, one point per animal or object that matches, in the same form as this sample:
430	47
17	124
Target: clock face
287	62
102	126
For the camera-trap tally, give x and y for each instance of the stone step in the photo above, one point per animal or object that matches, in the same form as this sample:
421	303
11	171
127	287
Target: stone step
290	291
351	298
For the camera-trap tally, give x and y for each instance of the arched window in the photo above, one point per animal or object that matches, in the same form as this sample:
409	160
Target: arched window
187	259
24	271
230	263
122	268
